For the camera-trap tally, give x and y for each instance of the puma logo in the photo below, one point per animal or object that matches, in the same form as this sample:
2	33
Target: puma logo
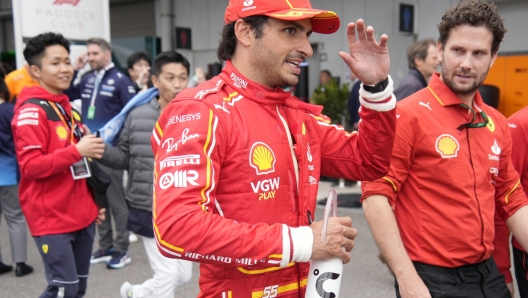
425	105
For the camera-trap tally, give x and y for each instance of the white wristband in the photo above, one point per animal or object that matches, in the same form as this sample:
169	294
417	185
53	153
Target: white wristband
302	239
372	100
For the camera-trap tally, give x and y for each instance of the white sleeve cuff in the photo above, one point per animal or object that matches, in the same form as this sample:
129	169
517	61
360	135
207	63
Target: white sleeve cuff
302	239
372	100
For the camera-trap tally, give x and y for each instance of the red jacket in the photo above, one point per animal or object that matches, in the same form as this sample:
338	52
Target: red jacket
51	200
518	124
445	183
226	179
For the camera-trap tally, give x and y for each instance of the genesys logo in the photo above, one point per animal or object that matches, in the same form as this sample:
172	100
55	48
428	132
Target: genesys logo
183	118
176	161
262	158
72	2
178	179
238	82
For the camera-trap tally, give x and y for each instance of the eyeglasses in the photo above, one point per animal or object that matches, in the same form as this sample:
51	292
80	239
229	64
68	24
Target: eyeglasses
471	124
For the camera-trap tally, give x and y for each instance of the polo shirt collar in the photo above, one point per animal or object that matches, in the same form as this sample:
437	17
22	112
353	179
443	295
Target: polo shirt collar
445	96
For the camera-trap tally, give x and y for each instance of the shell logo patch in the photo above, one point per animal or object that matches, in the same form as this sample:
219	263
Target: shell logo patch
61	131
45	248
262	158
491	124
447	146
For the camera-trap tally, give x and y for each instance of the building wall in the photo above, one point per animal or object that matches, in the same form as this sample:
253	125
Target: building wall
206	19
516	21
132	19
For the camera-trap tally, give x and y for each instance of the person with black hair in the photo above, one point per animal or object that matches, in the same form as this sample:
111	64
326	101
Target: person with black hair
238	160
52	148
138	68
170	75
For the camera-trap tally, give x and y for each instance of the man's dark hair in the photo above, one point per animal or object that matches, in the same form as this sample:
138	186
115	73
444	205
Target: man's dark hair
228	41
418	50
473	13
136	57
36	46
169	57
103	44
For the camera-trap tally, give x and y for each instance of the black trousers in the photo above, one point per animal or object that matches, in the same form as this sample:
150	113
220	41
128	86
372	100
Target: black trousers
66	260
520	263
481	280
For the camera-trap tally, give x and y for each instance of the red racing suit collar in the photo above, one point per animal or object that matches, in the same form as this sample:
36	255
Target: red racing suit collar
263	94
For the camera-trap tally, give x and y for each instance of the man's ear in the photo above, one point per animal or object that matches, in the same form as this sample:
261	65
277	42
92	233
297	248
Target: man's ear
154	81
418	62
493	58
243	33
35	71
108	55
439	50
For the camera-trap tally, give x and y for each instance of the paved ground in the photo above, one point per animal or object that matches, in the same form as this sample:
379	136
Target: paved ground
363	277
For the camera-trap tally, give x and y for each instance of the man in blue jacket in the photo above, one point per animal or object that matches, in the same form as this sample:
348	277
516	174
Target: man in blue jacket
104	91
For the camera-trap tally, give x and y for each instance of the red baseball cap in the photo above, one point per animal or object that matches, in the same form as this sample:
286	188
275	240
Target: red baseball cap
323	21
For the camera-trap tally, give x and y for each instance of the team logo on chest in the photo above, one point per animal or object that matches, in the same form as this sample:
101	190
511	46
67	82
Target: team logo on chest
262	158
491	124
447	146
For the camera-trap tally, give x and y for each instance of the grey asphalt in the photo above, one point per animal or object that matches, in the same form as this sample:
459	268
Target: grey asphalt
365	276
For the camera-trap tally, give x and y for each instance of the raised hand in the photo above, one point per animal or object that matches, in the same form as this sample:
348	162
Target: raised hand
81	61
368	59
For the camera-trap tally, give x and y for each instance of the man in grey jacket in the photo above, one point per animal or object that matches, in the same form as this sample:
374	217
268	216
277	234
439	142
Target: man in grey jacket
423	61
170	75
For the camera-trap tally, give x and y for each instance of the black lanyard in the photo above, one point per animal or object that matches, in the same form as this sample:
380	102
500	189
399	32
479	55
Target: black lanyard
471	124
68	121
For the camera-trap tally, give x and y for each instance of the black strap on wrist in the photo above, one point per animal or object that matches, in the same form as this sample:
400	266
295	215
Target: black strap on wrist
379	87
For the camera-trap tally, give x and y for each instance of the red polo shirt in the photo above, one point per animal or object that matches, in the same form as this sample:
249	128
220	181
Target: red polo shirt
518	124
444	183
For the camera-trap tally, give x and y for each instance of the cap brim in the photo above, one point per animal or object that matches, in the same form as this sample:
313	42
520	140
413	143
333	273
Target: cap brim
323	21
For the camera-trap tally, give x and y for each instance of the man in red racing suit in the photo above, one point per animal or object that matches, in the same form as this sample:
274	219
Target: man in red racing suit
237	168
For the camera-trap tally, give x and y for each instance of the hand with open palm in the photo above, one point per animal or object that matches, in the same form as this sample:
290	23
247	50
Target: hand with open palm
368	59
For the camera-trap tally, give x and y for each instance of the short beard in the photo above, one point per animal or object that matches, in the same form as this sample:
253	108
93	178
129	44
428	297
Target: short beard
263	61
463	91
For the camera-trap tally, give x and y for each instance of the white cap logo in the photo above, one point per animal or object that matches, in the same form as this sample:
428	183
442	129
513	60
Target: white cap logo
248	3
